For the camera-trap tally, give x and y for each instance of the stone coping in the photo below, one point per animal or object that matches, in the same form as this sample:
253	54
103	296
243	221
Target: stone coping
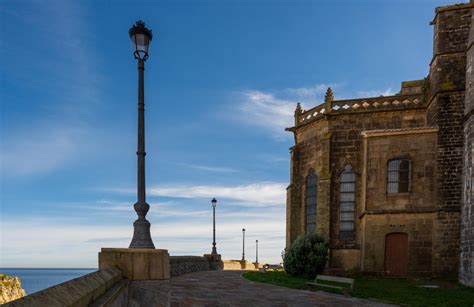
80	291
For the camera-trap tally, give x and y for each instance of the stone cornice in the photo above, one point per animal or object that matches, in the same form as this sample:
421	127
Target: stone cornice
460	6
398	211
402	131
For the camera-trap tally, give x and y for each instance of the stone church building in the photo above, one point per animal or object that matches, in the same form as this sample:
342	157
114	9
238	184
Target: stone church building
388	180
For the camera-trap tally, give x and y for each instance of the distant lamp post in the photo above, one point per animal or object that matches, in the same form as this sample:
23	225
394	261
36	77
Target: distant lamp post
243	244
141	38
256	251
214	204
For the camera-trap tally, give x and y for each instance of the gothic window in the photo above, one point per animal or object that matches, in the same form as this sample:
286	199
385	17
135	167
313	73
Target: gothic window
347	204
398	176
311	200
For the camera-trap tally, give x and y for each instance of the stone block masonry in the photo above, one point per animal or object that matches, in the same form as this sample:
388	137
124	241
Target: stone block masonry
137	263
427	124
466	263
447	85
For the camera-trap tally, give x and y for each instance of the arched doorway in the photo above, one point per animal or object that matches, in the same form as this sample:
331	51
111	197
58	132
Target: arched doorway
396	254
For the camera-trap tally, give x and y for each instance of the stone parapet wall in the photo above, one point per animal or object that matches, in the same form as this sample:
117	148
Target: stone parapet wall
180	265
79	292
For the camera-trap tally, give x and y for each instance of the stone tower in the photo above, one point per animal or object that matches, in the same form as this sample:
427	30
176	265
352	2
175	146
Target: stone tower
466	267
446	111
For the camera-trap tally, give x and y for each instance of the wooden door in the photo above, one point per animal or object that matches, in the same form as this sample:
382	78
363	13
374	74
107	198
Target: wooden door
396	254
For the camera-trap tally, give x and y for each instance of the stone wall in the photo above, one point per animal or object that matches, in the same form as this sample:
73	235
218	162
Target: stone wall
466	268
410	213
327	145
78	292
180	265
418	227
108	287
446	110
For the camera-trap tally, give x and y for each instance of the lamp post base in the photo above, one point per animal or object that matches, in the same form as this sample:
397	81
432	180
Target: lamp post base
141	235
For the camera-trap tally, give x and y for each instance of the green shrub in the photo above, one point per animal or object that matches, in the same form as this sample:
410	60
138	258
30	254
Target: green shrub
307	256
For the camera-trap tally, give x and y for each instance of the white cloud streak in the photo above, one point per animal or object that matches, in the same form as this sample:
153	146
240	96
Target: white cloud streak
40	146
266	111
376	93
258	193
64	242
41	150
215	169
274	111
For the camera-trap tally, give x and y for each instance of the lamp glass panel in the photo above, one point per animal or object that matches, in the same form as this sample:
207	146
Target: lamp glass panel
140	42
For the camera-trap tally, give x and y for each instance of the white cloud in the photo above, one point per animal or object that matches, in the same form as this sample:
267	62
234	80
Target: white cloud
313	92
68	242
207	168
41	149
260	193
53	139
266	111
274	110
376	93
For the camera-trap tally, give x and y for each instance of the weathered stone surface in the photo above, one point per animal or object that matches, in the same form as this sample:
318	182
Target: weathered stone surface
137	263
10	288
466	265
180	265
78	292
150	293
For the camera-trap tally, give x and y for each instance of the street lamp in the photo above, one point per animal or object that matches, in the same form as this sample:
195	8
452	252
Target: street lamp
214	203
256	250
141	38
243	244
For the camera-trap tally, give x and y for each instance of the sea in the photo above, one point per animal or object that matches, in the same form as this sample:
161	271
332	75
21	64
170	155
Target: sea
34	280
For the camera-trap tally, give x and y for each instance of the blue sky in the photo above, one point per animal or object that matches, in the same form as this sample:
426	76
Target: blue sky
221	84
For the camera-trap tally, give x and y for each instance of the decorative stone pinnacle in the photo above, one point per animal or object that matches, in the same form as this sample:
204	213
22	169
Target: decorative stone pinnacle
298	109
329	96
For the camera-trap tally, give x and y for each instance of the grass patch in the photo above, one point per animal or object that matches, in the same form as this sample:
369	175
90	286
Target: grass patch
408	292
278	278
398	291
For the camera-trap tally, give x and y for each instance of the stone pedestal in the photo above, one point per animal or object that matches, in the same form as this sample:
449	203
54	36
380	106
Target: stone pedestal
137	263
215	261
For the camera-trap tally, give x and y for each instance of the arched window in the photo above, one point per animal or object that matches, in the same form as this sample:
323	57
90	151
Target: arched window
398	176
347	204
311	200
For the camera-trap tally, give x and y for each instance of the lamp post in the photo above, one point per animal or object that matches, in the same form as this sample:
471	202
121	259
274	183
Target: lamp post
243	244
141	38
256	251
214	203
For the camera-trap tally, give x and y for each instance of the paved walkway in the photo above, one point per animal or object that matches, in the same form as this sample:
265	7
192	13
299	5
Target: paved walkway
229	288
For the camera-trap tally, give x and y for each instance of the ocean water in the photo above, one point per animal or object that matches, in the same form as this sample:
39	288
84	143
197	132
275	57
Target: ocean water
33	280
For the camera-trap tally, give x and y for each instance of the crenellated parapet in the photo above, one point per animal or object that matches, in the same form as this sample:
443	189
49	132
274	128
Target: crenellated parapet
360	105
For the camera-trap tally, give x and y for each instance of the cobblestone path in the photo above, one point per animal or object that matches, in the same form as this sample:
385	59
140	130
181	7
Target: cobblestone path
229	288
